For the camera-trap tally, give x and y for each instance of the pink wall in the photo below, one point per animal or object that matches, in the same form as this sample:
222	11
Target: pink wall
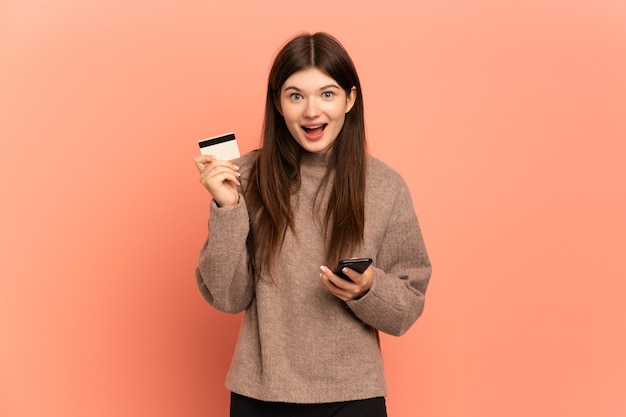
507	118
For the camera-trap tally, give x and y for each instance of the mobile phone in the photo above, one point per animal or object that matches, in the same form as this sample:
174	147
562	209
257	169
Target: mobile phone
359	265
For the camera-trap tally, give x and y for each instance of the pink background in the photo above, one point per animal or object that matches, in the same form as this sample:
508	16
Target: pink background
507	119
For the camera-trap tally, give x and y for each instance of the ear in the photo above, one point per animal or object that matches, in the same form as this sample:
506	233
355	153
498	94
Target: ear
277	105
351	99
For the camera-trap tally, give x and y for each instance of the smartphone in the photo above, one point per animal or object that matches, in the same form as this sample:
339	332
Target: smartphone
359	265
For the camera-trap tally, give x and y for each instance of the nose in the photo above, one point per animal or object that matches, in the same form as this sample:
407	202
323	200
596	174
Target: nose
312	109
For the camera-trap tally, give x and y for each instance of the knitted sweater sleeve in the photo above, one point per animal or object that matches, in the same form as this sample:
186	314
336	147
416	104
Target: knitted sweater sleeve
222	273
401	272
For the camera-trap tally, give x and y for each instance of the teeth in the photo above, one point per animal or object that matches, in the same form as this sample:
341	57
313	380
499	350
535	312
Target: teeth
312	127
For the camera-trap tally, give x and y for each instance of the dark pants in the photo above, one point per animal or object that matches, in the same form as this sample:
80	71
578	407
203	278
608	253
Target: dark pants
241	406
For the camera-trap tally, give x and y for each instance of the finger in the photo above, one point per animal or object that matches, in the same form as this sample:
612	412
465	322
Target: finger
348	290
222	173
336	280
216	166
363	280
338	286
351	273
217	182
333	289
204	158
202	161
219	165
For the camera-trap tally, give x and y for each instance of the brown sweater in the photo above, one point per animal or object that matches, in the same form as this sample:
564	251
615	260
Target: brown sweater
299	343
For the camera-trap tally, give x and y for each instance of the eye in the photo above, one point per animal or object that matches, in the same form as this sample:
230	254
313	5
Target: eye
328	94
296	96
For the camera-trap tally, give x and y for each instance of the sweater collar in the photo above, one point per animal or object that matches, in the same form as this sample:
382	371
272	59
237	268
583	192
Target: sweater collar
314	163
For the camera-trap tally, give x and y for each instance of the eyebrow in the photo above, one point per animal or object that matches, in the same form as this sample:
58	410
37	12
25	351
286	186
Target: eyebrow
293	87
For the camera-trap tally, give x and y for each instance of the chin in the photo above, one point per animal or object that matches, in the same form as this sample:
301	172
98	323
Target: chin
317	148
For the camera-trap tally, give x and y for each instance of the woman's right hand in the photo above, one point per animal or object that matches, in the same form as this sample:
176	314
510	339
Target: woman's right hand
220	178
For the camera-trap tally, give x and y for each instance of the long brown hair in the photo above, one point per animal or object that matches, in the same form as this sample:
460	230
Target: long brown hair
276	172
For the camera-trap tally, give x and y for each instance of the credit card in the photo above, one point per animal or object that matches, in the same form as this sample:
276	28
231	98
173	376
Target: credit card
222	147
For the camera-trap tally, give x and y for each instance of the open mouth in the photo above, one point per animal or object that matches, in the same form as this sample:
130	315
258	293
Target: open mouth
314	132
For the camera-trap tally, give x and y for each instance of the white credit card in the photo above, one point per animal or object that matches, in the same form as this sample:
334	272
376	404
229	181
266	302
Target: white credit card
222	147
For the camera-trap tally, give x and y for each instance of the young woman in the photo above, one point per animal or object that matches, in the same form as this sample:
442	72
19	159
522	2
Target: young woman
311	196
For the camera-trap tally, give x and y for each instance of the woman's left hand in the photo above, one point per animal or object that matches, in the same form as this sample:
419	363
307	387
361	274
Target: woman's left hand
344	289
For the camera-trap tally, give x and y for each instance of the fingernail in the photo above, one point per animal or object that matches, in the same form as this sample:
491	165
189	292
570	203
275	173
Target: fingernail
323	268
236	167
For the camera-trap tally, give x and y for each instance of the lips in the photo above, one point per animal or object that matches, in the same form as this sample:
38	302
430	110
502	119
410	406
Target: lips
314	132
